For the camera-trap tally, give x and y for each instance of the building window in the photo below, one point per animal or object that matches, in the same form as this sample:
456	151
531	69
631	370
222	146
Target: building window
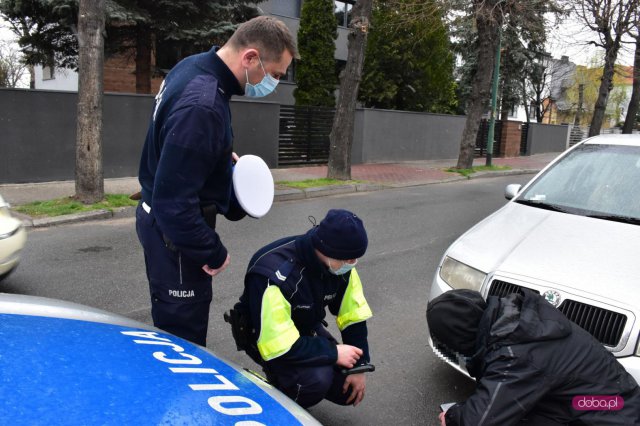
342	10
48	72
290	8
290	76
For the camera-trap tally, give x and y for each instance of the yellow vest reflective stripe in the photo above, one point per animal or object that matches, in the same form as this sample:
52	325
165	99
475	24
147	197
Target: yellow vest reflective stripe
277	332
354	307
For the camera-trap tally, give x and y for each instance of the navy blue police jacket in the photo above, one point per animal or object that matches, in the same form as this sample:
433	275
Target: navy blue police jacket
309	287
186	162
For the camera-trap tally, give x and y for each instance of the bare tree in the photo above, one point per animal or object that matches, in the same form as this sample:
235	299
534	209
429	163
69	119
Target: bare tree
634	102
611	20
89	175
12	68
20	28
342	130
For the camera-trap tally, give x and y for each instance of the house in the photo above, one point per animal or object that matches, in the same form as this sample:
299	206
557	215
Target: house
559	107
574	90
119	70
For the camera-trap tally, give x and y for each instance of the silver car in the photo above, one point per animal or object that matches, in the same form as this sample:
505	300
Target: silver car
62	363
12	240
573	235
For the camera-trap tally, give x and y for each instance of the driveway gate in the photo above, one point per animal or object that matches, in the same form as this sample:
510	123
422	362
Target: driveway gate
304	135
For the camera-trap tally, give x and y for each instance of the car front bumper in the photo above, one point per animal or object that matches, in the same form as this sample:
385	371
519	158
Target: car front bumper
10	248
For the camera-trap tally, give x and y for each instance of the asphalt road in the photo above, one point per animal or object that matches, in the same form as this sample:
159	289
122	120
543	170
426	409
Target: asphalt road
100	264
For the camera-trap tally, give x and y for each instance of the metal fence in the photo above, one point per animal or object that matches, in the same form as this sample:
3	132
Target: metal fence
483	137
304	135
524	137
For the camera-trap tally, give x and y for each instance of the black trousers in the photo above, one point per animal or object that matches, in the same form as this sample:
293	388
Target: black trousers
180	290
309	385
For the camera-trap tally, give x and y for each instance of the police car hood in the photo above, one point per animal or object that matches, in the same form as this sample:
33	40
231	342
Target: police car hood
66	363
566	251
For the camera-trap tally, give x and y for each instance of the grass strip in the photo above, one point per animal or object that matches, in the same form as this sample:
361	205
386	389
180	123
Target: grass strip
469	172
69	205
311	183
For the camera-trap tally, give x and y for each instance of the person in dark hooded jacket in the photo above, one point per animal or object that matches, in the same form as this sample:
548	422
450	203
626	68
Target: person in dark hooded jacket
530	363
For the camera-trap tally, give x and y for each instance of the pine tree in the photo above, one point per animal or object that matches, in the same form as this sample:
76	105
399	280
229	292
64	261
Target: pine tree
316	71
408	65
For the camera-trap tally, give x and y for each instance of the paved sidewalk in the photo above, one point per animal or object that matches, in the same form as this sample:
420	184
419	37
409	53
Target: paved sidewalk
376	176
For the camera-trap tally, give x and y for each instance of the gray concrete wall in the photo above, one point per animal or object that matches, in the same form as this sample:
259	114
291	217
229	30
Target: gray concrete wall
256	129
38	133
546	138
389	136
37	136
38	128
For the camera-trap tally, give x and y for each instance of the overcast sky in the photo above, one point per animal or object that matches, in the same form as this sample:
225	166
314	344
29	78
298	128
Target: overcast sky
571	39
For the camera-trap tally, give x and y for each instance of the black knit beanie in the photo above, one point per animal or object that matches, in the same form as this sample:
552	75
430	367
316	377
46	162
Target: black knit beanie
340	235
453	319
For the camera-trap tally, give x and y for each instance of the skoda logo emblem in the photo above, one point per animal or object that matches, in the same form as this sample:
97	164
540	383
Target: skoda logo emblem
552	297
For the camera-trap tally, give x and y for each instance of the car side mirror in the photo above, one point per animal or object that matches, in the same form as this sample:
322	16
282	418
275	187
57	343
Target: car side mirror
511	190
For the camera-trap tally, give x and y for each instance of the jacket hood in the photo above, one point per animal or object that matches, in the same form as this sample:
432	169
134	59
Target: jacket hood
526	318
515	319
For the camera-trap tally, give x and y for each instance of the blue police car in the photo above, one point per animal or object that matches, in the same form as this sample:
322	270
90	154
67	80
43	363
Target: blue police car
63	363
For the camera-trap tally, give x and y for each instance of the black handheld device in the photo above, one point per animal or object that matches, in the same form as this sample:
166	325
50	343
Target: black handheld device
366	368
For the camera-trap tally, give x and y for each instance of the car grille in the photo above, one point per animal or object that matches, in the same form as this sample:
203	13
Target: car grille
606	326
502	289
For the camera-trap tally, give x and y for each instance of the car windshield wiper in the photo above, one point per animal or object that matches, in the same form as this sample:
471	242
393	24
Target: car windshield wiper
542	205
616	218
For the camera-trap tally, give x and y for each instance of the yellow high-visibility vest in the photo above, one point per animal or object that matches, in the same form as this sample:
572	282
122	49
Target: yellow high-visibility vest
278	333
354	307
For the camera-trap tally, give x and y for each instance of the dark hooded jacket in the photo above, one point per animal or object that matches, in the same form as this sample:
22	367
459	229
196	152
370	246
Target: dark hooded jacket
530	363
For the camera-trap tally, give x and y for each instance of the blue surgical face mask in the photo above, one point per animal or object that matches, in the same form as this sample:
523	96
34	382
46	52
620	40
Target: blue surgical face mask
346	267
265	87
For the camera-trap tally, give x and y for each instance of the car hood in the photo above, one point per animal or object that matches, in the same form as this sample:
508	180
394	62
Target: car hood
576	252
84	372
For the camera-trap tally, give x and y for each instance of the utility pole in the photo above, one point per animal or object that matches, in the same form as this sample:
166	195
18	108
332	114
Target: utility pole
494	99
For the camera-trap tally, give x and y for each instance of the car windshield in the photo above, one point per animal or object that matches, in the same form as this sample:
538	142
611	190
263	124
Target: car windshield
595	180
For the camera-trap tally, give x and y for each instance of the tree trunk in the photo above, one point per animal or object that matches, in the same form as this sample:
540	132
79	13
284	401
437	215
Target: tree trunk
480	90
606	84
89	175
505	110
143	59
525	100
341	138
32	77
632	110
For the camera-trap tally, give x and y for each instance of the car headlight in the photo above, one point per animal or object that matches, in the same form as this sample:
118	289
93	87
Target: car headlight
458	275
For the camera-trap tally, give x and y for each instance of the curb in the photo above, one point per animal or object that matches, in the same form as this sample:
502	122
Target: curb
290	194
43	222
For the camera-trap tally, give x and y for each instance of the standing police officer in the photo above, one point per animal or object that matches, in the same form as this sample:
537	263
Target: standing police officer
288	284
186	167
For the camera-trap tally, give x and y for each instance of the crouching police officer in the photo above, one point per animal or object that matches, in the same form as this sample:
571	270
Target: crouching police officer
279	319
